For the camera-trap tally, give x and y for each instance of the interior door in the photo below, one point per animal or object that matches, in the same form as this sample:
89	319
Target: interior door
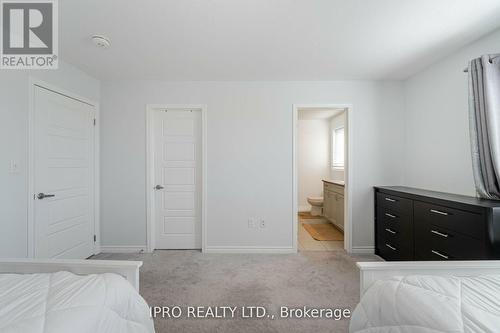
63	176
178	179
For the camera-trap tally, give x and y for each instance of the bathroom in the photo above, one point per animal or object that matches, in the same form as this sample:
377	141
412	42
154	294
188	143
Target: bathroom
321	147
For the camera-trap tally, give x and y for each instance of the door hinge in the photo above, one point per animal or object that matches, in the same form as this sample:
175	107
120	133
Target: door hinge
95	238
94	121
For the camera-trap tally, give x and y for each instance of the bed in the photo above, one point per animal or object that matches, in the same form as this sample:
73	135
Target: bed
52	296
425	297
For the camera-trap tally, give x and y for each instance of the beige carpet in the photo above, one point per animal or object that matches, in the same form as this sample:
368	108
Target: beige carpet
323	231
191	278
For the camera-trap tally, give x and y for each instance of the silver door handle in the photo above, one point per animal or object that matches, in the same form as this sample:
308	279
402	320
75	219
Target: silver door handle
390	231
439	212
439	233
440	254
42	195
390	215
391	247
390	200
159	187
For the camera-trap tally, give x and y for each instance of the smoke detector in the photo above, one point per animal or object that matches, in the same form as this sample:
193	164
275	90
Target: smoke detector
101	41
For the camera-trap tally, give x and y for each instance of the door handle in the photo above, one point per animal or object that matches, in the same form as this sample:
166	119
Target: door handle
159	187
42	195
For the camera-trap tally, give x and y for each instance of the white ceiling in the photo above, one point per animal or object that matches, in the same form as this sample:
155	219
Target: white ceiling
268	39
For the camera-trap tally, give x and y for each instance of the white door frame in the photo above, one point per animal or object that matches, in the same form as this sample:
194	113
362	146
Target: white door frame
150	168
348	172
33	83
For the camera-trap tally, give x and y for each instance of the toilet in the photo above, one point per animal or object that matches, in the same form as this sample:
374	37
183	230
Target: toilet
316	205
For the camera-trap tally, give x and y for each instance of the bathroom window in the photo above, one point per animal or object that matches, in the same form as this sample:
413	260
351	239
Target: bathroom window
338	148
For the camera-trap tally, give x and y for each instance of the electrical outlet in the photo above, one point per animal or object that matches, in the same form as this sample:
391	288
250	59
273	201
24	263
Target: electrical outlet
252	224
14	166
262	223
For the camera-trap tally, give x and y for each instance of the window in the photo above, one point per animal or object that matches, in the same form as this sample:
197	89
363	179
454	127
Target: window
338	148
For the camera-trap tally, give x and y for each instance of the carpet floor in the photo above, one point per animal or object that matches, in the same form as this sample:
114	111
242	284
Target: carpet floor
190	278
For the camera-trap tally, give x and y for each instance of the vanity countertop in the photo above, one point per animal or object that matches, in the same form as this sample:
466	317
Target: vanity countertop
336	182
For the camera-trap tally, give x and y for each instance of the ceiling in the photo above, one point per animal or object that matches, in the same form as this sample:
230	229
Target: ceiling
268	39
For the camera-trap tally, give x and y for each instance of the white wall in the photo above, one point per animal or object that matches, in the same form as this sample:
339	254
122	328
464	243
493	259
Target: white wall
437	126
313	149
14	142
250	146
339	120
249	154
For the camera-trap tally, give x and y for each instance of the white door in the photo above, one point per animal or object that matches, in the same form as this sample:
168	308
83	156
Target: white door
63	176
177	161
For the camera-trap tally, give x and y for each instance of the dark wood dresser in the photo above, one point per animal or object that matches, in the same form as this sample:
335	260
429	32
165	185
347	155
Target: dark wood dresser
415	224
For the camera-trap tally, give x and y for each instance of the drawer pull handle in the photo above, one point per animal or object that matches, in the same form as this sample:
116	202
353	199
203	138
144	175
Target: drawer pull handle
390	215
439	212
390	246
439	233
390	200
440	254
390	231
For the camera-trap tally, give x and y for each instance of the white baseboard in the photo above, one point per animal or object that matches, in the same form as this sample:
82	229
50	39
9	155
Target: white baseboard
249	249
123	249
363	250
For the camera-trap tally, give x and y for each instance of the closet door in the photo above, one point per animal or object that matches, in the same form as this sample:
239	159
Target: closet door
63	176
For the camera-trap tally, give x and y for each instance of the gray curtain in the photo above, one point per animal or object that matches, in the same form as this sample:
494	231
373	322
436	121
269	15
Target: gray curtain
484	122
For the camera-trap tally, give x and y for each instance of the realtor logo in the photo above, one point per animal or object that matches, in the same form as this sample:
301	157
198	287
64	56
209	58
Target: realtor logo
29	34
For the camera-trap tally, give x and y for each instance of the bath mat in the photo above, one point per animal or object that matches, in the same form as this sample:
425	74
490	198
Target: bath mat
323	231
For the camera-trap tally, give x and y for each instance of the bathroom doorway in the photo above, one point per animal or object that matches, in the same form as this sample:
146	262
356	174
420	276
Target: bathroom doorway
320	178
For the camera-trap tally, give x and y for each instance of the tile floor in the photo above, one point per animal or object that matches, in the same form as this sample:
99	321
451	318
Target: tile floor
307	243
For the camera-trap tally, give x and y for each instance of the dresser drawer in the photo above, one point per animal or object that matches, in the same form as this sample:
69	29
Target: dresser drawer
392	250
388	228
394	203
395	236
394	219
397	230
394	239
467	223
447	244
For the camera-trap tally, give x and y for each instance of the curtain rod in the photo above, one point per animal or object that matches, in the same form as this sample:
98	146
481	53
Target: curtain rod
491	61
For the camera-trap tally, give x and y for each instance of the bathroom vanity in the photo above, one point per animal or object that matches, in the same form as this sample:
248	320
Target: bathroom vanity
333	202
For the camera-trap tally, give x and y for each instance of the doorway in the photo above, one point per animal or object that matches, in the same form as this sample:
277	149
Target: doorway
176	177
321	177
62	177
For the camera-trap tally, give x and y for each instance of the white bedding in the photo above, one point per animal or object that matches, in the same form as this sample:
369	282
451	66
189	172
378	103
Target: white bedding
425	304
64	302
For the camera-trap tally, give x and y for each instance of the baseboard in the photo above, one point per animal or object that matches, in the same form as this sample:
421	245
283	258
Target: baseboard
249	249
123	249
363	250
